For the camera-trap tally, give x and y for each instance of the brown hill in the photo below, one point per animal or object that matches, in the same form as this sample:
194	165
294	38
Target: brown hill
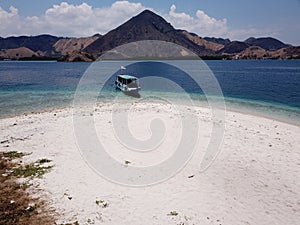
68	45
17	53
266	43
256	52
287	53
42	43
233	48
77	56
202	42
221	41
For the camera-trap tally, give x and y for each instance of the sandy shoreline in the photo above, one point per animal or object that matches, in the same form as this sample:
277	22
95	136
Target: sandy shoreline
254	180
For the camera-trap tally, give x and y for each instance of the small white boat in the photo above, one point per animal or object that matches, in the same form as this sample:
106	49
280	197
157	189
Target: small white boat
127	83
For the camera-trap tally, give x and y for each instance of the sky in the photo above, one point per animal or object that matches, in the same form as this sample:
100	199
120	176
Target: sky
234	19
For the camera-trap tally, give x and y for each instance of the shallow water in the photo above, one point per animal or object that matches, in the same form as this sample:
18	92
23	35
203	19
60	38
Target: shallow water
266	88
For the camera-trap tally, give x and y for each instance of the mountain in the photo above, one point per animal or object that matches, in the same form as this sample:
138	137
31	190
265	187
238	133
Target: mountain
42	46
256	52
68	45
217	40
203	42
17	53
76	56
145	26
290	52
141	33
266	43
43	43
233	47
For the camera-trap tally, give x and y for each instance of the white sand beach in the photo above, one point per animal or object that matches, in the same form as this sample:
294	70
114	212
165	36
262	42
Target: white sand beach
254	180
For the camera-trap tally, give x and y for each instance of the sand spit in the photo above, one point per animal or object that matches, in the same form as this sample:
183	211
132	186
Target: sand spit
254	180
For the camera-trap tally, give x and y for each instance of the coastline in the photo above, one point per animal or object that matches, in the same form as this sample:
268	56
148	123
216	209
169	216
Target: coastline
282	113
254	179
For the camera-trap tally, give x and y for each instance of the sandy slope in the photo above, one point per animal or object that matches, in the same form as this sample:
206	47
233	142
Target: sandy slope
67	46
254	180
16	53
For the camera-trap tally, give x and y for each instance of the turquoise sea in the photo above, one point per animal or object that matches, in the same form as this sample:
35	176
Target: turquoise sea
268	88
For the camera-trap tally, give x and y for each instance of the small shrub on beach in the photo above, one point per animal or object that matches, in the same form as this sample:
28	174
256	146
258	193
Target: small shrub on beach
102	203
105	205
127	162
13	154
173	213
31	170
98	202
75	223
16	205
41	161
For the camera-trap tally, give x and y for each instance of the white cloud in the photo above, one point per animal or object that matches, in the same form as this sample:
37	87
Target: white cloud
207	26
201	24
181	16
67	19
83	20
9	20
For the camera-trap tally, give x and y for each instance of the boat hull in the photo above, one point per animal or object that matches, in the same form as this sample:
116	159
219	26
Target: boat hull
128	84
134	92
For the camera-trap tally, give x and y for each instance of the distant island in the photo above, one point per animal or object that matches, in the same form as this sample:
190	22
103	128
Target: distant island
145	26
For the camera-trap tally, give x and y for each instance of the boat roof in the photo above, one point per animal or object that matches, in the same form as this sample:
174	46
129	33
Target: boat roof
124	76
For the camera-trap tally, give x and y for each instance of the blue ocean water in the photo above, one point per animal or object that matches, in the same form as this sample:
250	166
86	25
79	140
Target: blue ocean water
262	86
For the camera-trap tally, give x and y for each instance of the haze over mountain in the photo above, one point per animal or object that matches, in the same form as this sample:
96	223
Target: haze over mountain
145	26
